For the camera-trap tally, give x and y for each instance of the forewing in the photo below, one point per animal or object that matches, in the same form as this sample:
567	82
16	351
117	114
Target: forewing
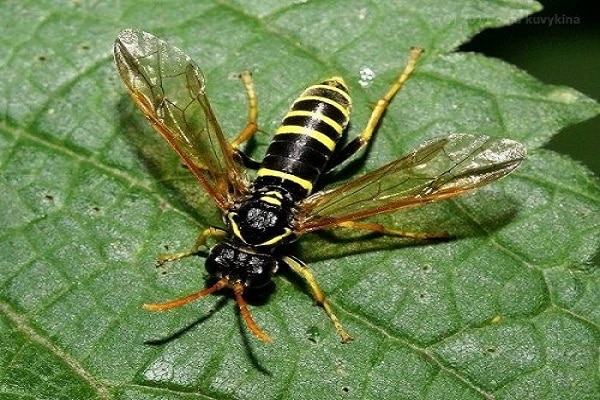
437	170
168	87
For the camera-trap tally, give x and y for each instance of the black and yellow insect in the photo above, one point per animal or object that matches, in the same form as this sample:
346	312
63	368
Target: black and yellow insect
263	215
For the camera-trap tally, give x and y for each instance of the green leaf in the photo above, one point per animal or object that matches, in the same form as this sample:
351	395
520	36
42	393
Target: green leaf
91	195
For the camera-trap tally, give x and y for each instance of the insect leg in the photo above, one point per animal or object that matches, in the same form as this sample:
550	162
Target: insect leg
251	121
382	104
373	227
302	270
238	290
200	240
220	284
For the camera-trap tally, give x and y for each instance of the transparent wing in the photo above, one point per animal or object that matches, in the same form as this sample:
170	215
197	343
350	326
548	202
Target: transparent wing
168	87
437	170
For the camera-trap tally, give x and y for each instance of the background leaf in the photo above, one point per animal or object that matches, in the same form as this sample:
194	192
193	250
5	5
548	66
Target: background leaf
91	196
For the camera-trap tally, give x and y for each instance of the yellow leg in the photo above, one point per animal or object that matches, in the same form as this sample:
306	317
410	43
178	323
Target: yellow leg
251	122
382	104
302	270
200	240
373	227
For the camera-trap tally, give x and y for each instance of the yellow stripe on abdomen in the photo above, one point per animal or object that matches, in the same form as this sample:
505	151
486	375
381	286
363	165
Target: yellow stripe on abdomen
306	139
303	130
305	184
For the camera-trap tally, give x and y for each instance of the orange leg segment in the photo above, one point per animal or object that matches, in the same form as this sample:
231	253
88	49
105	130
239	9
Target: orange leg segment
238	290
184	300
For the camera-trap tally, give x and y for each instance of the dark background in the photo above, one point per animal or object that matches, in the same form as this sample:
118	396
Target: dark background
566	52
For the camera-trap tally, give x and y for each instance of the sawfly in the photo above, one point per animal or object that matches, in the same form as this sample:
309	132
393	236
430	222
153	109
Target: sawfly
280	204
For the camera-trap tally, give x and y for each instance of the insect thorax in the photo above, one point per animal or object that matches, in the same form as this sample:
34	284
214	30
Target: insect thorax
258	225
264	221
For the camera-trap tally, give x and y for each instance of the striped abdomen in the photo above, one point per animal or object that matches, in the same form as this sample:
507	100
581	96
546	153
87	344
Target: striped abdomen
306	139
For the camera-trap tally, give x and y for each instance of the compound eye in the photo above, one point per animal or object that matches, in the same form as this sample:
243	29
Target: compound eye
260	271
220	261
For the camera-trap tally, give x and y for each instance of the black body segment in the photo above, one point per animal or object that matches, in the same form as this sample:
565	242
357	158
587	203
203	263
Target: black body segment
306	139
236	264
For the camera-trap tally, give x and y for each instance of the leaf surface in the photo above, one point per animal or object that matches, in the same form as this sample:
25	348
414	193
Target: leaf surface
91	195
